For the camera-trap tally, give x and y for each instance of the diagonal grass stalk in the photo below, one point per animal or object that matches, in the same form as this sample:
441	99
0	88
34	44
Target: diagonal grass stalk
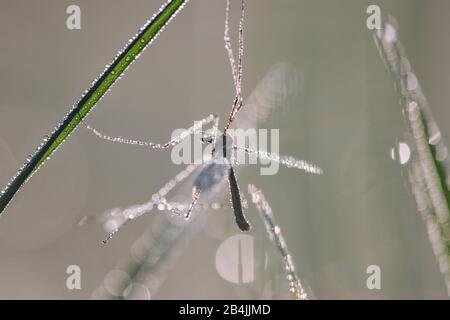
430	172
91	97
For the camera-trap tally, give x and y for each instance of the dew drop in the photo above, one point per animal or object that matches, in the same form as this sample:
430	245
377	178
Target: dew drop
276	230
215	206
404	152
390	34
255	197
114	279
411	81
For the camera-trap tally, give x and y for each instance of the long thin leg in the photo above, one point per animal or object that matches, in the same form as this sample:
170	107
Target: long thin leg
196	127
226	38
241	220
274	231
179	207
195	196
241	49
136	211
288	161
237	72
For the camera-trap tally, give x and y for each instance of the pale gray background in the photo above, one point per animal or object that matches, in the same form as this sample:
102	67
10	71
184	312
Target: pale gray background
346	118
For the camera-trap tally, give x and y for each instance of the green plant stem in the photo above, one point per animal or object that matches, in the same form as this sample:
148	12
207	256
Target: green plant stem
93	95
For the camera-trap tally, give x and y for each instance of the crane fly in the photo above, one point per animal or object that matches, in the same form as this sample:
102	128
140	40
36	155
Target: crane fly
219	167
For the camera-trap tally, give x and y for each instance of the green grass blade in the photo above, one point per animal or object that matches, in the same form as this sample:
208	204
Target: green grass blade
93	95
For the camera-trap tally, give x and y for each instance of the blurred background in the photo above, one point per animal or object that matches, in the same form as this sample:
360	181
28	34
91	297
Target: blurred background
345	117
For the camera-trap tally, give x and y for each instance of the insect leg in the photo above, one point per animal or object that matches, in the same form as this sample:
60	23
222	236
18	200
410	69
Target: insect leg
197	126
287	161
133	212
237	72
275	235
241	48
195	196
226	38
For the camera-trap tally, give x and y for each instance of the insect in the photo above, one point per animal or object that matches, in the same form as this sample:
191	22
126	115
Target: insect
219	166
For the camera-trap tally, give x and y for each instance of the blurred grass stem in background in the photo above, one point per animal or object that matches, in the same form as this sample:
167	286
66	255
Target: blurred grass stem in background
430	169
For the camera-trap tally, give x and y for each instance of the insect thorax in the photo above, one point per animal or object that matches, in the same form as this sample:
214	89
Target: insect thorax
223	148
